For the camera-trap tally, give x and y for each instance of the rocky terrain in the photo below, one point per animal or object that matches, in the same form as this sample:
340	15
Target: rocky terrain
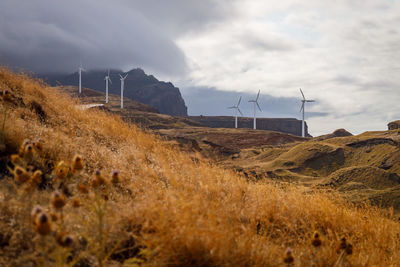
139	86
394	125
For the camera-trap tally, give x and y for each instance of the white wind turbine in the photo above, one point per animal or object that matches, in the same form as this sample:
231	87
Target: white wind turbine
255	103
122	89
80	69
236	111
107	79
304	100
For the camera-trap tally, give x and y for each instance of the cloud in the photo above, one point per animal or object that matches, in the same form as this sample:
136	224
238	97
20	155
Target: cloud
343	53
54	36
178	17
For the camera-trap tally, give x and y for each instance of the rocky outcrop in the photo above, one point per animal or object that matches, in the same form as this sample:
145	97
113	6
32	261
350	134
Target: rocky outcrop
285	125
337	133
394	125
139	86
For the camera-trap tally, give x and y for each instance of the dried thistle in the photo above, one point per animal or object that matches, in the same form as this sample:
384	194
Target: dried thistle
35	212
38	145
16	159
349	249
288	257
21	150
61	170
342	245
115	177
43	224
36	177
21	175
63	239
58	200
316	241
28	152
98	179
77	164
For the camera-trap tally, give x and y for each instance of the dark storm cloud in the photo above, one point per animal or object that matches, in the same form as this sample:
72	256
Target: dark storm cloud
182	16
210	102
54	36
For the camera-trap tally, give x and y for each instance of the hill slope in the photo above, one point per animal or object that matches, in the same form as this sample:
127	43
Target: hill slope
360	167
165	208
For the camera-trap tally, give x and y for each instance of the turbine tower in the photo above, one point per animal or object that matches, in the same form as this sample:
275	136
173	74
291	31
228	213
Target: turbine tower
107	79
304	101
255	104
122	89
80	69
236	112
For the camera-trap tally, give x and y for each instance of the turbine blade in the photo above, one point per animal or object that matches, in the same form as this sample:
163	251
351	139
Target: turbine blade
302	94
310	100
120	75
108	73
240	98
240	111
109	80
302	107
258	106
126	76
258	94
231	107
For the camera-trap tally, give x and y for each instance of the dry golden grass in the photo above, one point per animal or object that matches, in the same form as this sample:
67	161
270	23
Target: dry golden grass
169	209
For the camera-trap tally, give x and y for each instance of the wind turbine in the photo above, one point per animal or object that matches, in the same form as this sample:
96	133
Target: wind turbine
304	100
236	111
107	79
122	89
80	69
255	103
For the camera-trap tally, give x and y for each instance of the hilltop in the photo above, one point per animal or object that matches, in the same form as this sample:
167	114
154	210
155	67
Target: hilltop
165	207
139	86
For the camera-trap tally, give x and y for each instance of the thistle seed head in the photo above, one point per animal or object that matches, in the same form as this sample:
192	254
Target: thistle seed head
77	163
288	256
58	200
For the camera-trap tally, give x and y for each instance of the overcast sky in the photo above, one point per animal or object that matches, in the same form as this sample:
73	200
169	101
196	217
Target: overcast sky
343	53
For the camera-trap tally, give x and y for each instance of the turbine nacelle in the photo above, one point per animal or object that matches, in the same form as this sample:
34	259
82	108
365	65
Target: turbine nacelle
256	101
303	102
237	110
237	106
107	78
123	78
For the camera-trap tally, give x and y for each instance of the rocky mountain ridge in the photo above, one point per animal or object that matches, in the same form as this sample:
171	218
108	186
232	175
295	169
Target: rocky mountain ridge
139	86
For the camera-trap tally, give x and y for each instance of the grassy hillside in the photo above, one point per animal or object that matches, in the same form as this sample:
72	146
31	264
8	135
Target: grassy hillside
362	167
162	207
